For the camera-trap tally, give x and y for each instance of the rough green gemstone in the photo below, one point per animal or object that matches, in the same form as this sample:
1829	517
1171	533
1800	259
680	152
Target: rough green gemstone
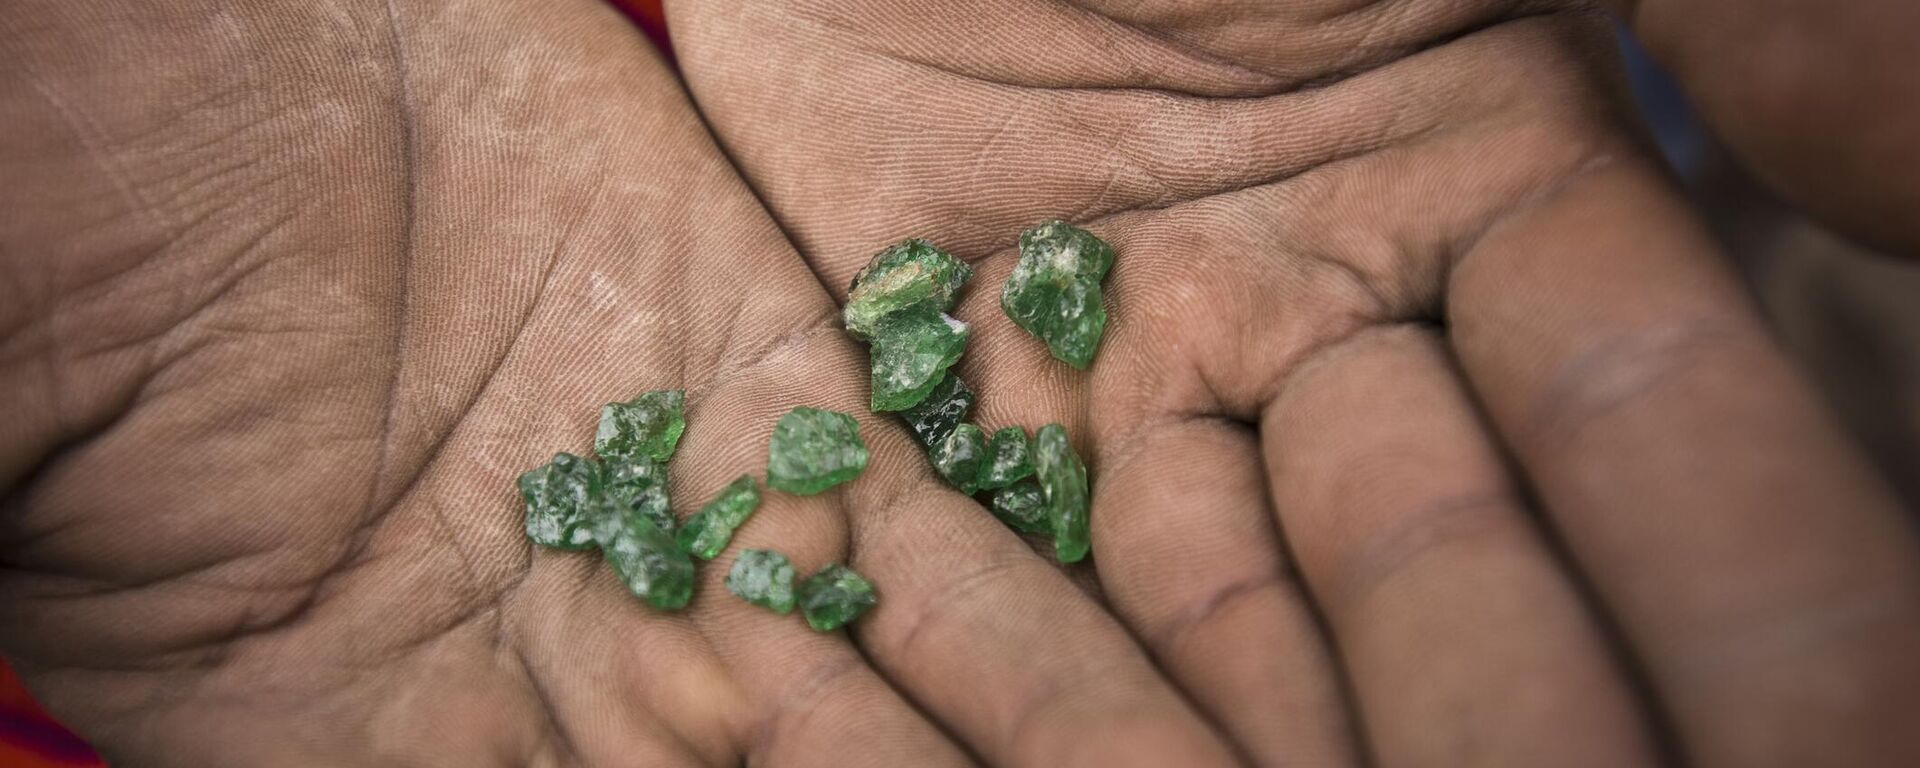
763	577
647	426
1022	507
1063	484
813	450
641	483
935	416
834	596
647	559
905	274
1008	459
1054	291
910	351
961	457
709	530
560	498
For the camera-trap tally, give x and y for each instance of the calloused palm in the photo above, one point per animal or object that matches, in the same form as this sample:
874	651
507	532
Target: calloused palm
1426	408
294	290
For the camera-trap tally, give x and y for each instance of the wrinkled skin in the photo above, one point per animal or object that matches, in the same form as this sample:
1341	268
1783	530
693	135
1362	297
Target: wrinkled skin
293	292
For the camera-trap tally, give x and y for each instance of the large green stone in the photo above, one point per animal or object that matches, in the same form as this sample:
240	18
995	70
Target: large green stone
647	426
1063	484
813	450
1022	507
834	596
906	274
1054	291
763	577
560	499
646	558
641	483
910	351
1008	459
935	416
960	458
709	530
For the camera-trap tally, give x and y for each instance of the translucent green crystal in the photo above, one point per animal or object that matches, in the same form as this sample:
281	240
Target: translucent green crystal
935	416
834	596
1022	507
647	426
709	530
1008	459
813	450
560	499
641	483
1054	291
911	350
1063	485
904	275
961	457
763	577
646	558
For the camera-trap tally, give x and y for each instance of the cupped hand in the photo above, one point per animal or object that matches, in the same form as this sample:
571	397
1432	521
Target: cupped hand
294	291
1426	411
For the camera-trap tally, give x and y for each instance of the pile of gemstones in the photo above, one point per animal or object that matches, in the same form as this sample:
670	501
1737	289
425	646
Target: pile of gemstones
617	501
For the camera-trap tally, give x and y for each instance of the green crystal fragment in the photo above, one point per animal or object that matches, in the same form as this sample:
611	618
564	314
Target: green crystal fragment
935	416
1008	459
906	274
709	530
641	483
813	450
960	458
1063	484
1022	507
911	350
1054	291
646	558
834	596
560	498
647	426
763	577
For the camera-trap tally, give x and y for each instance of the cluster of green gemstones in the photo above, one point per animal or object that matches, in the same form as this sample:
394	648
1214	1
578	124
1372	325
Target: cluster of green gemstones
619	503
898	305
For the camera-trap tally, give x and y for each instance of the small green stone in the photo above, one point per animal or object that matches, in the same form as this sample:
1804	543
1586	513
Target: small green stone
647	559
1022	507
1054	291
647	426
1008	459
1063	483
834	596
906	274
911	350
763	577
709	530
641	483
960	458
813	450
560	500
935	416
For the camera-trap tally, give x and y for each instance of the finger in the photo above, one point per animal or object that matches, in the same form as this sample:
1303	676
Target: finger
1761	571
1464	641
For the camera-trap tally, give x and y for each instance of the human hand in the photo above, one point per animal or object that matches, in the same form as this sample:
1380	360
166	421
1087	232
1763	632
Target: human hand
1426	410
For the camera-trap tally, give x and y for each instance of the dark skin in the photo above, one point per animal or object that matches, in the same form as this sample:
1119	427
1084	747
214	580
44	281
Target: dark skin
1429	428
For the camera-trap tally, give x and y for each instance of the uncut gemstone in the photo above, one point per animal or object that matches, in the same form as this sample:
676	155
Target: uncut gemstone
646	558
813	450
641	484
834	596
1008	459
960	458
910	351
709	530
906	274
1063	485
1022	507
560	499
647	426
763	577
935	416
1054	291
